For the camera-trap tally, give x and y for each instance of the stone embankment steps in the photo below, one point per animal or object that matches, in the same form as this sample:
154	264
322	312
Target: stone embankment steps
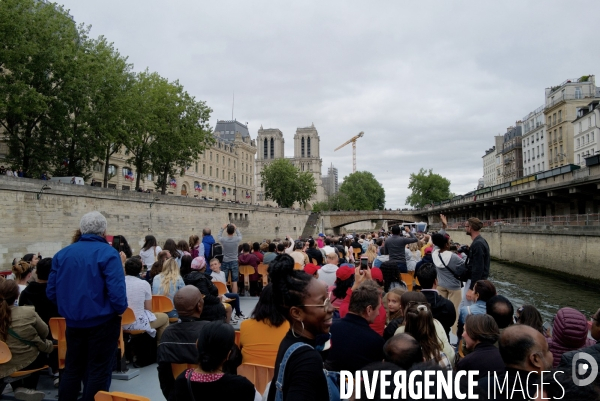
311	226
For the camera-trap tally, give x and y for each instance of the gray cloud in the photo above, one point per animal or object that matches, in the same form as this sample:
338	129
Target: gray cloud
430	83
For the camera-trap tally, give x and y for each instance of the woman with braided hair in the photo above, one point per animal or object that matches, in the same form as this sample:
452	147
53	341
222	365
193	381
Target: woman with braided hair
26	336
305	303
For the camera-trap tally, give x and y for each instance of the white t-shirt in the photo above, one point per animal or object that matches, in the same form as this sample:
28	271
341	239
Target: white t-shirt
220	277
329	249
138	291
149	255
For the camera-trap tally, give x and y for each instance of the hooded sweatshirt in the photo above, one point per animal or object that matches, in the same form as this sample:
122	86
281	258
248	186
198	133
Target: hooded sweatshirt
327	274
252	260
445	278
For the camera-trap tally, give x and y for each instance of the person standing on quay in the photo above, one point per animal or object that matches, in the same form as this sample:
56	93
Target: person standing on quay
479	256
230	244
88	286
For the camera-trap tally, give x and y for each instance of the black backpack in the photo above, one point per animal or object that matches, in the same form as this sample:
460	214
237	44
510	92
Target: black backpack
216	251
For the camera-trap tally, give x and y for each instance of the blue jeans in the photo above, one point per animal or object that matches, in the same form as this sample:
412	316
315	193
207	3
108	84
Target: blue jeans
232	267
91	354
235	304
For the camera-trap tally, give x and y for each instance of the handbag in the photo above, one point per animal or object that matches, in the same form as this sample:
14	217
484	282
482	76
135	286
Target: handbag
332	378
464	277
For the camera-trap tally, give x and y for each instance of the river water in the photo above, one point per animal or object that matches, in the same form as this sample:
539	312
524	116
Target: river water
546	292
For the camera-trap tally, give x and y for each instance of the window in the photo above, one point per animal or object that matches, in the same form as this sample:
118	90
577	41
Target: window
234	164
265	148
578	159
217	171
204	169
542	166
149	177
272	149
223	174
578	142
587	138
302	146
579	126
127	171
229	162
560	115
578	92
560	133
553	119
196	167
112	169
307	147
98	167
210	188
210	171
210	156
592	136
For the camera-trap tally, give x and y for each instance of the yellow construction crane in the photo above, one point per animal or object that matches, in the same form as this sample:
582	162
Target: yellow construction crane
353	140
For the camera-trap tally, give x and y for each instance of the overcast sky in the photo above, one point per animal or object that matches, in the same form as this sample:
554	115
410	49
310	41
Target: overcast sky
430	83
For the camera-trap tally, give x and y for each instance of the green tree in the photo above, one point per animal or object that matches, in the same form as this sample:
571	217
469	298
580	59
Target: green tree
143	98
361	191
39	40
426	188
181	134
285	184
90	124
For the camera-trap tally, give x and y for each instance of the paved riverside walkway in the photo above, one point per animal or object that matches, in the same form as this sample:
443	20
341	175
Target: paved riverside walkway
146	384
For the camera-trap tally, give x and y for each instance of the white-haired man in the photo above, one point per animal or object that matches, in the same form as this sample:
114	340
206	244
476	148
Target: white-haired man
88	286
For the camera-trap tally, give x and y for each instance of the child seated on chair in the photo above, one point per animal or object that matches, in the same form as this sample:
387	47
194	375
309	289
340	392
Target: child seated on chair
218	275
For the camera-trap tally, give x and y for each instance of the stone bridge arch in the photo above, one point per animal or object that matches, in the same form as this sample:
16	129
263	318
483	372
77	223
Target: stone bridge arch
332	221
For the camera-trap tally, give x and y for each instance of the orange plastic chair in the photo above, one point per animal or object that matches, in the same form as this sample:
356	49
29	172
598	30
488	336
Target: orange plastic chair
222	288
161	304
128	317
237	338
5	354
259	375
408	278
356	255
177	368
263	269
118	396
246	270
58	328
297	266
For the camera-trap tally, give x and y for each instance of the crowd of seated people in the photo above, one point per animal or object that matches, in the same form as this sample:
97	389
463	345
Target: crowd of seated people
332	313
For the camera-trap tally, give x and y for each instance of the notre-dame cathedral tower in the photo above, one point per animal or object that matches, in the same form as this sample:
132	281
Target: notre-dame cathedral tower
307	156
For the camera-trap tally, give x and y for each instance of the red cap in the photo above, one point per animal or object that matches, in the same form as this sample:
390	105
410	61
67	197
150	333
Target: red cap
428	250
344	272
311	268
376	274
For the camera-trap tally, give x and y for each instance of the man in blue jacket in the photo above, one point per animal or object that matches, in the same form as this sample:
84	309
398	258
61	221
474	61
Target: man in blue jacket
87	284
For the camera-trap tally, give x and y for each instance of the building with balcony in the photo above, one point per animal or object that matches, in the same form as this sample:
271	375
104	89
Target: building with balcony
306	157
562	102
489	167
225	171
512	155
535	158
586	131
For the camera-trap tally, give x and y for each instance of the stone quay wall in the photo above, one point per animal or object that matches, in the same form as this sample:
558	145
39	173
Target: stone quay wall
571	252
46	225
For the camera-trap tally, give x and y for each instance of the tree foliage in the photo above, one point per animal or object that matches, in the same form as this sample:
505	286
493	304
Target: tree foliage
426	188
70	100
361	191
285	184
